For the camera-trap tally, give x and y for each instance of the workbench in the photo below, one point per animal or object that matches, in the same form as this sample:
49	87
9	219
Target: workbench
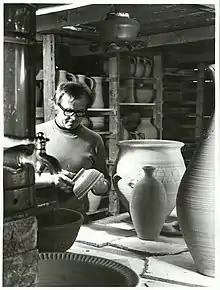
163	263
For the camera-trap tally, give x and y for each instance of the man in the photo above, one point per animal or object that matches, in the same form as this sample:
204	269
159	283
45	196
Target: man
74	145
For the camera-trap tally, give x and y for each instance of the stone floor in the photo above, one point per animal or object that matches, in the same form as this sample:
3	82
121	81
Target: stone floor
163	263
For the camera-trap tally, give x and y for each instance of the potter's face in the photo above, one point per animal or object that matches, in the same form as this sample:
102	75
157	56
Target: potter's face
70	112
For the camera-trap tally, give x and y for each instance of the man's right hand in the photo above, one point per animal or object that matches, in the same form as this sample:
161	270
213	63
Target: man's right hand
64	183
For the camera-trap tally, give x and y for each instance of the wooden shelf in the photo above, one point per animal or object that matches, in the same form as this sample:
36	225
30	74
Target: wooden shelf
138	104
195	116
146	80
189	103
185	126
100	111
97	211
92	111
182	76
103	132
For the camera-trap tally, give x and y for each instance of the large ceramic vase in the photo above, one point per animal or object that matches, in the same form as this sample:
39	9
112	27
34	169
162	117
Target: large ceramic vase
195	204
165	155
98	122
148	130
148	205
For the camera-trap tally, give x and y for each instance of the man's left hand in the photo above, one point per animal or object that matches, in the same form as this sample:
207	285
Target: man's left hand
101	187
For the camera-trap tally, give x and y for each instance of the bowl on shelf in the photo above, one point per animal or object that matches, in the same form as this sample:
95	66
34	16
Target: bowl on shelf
58	229
79	270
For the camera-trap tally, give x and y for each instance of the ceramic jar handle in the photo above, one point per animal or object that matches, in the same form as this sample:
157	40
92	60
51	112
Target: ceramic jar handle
115	179
134	60
91	83
148	60
73	78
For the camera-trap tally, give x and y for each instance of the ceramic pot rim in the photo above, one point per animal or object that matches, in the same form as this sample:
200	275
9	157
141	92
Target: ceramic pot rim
151	143
56	227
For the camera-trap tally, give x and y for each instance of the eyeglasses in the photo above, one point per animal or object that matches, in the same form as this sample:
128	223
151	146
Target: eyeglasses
70	113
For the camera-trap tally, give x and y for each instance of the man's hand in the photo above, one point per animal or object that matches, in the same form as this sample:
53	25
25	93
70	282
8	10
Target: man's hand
64	181
101	187
68	173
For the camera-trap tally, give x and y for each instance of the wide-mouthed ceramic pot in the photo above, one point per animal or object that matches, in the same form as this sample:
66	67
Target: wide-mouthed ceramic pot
164	155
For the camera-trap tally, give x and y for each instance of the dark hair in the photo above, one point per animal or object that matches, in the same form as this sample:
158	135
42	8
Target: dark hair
74	90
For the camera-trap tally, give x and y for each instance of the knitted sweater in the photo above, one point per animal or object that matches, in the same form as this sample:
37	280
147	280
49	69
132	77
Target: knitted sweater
76	149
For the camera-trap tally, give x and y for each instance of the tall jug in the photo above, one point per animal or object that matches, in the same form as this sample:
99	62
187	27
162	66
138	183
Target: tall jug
140	66
98	122
64	76
148	67
83	79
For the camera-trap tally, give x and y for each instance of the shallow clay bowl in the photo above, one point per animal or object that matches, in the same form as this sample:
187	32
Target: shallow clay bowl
76	270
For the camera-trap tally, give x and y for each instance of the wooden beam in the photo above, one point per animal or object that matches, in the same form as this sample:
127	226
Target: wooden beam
208	56
199	100
158	87
208	7
57	20
48	75
114	126
162	39
58	8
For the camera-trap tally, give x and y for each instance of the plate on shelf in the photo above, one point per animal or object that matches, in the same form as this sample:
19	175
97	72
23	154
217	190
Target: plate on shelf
84	180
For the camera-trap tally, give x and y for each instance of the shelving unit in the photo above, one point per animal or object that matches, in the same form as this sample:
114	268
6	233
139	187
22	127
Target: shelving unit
113	111
184	106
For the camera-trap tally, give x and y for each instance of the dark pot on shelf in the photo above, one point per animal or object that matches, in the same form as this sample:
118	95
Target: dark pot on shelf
118	26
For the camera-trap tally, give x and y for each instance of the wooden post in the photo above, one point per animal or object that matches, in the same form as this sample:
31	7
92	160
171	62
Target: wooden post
199	100
49	75
158	86
114	125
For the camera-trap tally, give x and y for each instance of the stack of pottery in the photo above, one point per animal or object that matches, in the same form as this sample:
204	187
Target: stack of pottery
143	94
164	155
196	202
143	67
